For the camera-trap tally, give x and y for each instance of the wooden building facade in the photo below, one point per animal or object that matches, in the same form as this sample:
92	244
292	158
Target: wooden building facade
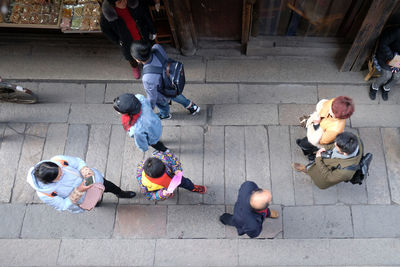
358	22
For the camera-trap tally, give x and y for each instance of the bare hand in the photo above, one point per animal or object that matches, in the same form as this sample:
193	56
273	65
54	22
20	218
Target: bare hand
317	121
86	172
177	171
82	187
165	193
318	154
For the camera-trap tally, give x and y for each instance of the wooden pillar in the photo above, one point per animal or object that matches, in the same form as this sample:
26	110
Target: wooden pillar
373	23
184	27
246	23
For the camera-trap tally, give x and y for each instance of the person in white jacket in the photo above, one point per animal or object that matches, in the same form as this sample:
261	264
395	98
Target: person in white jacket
59	182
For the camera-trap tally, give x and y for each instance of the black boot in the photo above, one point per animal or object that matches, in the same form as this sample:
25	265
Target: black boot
226	219
126	194
385	94
372	93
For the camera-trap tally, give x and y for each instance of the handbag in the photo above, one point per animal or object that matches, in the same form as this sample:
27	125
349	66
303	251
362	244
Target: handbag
93	195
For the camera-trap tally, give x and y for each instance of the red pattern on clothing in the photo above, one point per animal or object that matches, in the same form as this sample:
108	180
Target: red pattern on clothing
129	21
125	120
164	180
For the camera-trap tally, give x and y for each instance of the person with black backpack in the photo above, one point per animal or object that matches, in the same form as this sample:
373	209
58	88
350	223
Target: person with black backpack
163	78
341	161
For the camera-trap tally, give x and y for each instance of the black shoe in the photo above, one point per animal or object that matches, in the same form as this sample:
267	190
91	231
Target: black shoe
385	95
311	157
126	194
226	219
99	202
372	93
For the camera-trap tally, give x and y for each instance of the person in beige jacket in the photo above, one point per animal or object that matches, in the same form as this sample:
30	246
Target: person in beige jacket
327	121
330	162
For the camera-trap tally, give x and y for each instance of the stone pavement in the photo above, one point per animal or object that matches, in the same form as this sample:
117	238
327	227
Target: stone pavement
246	131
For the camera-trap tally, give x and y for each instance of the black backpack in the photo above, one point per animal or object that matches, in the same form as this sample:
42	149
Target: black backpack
172	72
361	169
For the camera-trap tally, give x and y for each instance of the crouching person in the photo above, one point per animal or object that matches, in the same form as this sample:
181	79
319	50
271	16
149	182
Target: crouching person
329	167
155	175
60	182
251	208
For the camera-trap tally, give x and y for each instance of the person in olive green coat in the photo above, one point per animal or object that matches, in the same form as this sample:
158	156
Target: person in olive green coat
330	161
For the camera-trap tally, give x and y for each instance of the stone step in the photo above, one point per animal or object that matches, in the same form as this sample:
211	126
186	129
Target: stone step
198	252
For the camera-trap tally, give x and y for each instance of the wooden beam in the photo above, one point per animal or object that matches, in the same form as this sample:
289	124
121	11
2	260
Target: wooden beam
373	23
246	23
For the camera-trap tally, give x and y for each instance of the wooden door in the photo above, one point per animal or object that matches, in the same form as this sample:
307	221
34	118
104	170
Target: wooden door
217	19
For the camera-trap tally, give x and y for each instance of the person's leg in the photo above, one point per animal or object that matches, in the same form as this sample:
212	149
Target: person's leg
164	110
386	75
306	146
187	184
186	103
113	188
386	87
160	146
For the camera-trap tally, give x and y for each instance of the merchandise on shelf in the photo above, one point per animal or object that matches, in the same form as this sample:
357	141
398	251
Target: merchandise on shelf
84	15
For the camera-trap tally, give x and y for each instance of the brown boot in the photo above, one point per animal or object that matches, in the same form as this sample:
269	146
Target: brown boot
274	214
299	167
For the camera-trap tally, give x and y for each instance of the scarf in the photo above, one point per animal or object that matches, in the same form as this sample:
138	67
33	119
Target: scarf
125	118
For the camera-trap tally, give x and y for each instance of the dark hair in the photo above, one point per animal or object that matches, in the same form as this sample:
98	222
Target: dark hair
342	107
154	167
141	50
347	142
112	2
46	172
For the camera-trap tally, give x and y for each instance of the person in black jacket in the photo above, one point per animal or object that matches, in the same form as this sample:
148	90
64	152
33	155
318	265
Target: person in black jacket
388	48
251	208
125	21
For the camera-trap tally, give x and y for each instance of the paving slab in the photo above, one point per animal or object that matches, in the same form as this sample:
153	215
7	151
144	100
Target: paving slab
106	252
34	113
195	221
171	138
272	228
245	114
97	223
191	157
325	196
30	155
114	90
235	172
371	116
359	93
180	116
22	252
186	252
134	221
131	157
376	221
317	222
77	140
322	252
55	140
377	181
289	114
195	69
214	177
95	93
349	193
212	93
93	114
61	93
303	186
12	216
257	156
274	69
277	93
114	160
99	140
391	142
10	153
281	172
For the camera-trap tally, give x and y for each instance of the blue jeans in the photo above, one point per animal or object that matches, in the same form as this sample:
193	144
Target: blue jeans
186	184
164	107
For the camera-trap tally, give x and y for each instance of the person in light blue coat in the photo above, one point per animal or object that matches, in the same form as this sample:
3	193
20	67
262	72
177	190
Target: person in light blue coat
139	120
59	182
